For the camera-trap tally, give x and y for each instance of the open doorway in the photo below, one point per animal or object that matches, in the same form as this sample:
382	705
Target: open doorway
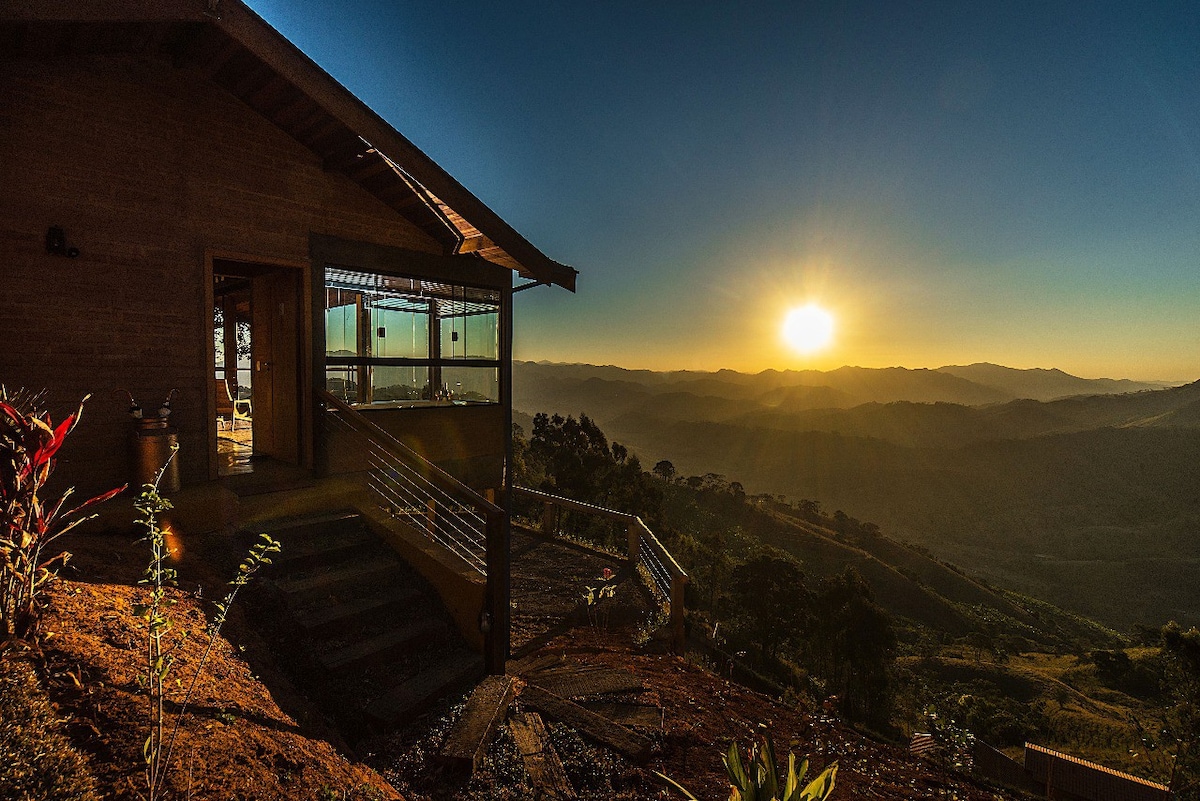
256	330
232	332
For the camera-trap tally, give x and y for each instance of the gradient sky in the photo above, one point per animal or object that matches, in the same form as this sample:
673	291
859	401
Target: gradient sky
956	182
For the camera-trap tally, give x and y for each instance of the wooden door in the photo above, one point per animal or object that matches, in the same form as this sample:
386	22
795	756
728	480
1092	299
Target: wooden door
275	346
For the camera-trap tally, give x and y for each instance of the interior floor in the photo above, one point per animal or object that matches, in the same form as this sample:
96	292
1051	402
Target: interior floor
235	447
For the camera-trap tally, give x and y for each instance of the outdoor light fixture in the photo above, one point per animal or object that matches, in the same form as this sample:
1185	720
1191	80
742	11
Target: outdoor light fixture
56	243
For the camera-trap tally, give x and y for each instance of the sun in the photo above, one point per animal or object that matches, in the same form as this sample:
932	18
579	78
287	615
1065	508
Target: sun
808	329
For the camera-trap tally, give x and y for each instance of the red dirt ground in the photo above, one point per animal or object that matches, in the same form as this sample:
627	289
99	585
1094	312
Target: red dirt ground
250	735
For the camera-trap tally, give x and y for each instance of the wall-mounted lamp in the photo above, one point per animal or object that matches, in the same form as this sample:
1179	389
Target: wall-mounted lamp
56	243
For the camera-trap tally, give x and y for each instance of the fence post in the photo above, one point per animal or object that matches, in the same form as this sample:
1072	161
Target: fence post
548	518
678	635
496	602
635	539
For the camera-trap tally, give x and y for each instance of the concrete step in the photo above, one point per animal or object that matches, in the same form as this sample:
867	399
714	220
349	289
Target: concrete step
451	670
303	525
331	548
374	650
329	581
329	619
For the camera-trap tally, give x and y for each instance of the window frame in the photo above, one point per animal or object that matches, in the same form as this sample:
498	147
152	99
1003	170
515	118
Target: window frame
363	364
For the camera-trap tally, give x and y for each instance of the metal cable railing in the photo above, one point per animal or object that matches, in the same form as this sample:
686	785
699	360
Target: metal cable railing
408	488
659	575
668	579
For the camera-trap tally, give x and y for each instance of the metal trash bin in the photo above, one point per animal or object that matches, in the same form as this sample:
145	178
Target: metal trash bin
150	445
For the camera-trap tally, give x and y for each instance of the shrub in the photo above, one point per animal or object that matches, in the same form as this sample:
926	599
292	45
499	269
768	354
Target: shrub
159	747
759	779
29	523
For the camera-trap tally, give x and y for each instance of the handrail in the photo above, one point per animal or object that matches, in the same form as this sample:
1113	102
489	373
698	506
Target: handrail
399	450
570	503
668	578
437	505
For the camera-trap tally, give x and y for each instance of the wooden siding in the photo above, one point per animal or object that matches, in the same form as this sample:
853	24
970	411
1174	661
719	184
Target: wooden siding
148	168
467	442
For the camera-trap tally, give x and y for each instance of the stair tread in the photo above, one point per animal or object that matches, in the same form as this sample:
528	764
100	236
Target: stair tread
282	525
351	609
296	551
384	641
451	668
345	571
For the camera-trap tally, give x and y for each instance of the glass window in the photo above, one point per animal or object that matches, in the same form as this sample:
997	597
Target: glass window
409	341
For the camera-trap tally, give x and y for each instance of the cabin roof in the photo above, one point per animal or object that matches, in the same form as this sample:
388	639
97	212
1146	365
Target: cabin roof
238	50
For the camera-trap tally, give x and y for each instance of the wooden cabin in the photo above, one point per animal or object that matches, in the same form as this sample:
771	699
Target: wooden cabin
191	204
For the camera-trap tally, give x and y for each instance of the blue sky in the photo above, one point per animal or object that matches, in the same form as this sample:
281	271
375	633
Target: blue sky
955	182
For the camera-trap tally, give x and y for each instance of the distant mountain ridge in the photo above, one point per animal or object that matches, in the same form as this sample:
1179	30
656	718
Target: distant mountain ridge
970	385
1086	486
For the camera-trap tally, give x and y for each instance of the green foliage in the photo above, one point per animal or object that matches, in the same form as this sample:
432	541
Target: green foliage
30	523
598	600
758	779
1182	651
755	595
158	749
36	759
773	603
573	458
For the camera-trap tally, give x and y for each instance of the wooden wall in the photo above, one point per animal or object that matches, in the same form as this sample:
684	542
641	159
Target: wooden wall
147	168
467	441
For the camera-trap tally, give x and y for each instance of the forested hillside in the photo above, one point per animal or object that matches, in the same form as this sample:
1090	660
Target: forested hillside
790	597
1061	499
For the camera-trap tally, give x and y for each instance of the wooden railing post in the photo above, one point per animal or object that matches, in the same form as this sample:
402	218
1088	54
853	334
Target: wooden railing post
495	619
678	634
548	519
634	530
431	518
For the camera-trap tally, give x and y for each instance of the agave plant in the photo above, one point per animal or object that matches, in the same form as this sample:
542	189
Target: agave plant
759	779
28	523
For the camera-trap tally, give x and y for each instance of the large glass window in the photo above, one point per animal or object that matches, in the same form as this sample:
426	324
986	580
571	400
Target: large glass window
409	341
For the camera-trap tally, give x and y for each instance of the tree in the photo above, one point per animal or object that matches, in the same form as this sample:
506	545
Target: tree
573	458
665	470
853	646
1182	651
772	601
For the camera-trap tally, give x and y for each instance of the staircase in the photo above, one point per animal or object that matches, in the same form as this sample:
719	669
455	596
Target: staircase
362	632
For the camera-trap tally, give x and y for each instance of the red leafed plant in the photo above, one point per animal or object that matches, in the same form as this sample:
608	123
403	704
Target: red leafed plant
28	522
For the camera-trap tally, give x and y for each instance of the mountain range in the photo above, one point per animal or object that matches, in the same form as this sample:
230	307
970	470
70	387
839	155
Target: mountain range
1079	491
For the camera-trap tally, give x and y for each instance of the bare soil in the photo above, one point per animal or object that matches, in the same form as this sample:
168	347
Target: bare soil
251	735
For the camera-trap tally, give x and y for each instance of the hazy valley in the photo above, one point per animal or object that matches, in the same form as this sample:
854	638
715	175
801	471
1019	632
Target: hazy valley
1080	492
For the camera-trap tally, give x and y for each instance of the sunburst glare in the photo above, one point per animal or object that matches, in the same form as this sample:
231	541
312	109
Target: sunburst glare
808	329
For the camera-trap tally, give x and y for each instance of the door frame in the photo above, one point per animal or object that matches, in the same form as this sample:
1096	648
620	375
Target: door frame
304	404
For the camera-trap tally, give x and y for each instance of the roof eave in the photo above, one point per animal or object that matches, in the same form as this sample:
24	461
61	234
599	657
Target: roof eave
253	33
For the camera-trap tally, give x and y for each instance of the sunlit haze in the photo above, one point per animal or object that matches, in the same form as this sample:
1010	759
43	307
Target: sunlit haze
959	182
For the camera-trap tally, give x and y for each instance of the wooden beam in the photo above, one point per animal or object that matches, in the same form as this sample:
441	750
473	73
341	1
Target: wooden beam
114	11
585	680
472	735
542	764
601	729
641	716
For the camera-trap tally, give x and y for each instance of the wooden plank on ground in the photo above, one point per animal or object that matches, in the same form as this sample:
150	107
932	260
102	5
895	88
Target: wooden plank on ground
598	728
469	739
591	681
542	764
638	716
533	663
